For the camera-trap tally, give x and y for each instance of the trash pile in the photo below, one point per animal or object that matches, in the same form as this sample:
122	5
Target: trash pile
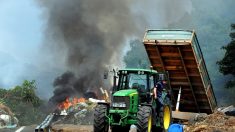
79	111
7	118
79	114
72	111
216	122
76	116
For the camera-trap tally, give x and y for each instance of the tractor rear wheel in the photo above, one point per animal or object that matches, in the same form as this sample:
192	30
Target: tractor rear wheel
144	119
165	117
100	121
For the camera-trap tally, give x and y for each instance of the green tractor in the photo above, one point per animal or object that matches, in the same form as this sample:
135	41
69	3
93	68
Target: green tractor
132	103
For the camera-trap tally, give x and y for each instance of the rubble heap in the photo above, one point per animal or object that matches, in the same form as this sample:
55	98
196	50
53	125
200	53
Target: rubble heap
216	122
76	116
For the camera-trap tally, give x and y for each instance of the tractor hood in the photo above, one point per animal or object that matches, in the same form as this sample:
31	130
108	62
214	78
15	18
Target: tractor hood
126	92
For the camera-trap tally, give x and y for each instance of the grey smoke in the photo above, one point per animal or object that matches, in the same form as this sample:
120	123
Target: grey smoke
85	36
162	13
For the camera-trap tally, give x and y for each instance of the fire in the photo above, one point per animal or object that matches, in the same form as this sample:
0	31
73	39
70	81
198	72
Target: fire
70	102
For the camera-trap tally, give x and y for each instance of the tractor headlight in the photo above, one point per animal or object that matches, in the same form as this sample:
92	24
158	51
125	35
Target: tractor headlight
119	104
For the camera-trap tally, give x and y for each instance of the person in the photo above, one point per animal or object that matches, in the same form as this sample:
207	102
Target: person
157	92
135	85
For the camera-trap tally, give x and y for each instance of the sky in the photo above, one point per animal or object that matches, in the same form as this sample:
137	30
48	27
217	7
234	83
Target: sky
21	35
21	28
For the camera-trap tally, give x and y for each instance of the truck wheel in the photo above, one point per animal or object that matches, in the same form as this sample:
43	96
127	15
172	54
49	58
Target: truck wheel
120	129
100	121
165	117
144	119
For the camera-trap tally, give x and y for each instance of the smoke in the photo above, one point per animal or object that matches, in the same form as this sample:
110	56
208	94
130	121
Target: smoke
85	36
162	13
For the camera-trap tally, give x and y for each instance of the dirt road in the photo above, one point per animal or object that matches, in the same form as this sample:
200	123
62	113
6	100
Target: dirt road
76	128
72	128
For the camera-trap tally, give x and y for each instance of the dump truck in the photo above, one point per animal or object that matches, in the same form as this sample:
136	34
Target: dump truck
133	103
178	52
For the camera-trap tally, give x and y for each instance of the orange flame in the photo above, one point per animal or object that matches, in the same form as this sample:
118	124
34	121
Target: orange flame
70	102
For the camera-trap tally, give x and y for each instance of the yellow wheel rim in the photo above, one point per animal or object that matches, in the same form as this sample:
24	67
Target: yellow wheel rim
166	117
149	123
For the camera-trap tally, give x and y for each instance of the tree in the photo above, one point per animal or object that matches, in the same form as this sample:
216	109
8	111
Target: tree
26	92
227	64
24	102
136	57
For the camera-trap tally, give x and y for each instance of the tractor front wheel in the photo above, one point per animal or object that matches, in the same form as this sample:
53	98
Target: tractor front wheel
144	119
100	121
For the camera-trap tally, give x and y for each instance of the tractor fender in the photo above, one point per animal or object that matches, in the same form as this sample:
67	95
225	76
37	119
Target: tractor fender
145	104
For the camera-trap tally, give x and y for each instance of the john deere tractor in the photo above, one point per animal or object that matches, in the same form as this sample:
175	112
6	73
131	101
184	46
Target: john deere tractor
132	103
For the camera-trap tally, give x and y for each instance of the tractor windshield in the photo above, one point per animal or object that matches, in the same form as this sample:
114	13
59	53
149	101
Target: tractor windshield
135	81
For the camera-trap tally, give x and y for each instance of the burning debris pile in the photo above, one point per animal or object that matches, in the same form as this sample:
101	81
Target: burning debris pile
73	111
76	111
216	122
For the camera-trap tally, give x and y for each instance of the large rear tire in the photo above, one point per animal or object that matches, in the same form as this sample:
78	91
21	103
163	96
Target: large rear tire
144	119
165	117
100	121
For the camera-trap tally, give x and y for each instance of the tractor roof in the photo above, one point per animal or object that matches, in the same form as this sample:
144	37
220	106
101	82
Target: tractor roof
139	69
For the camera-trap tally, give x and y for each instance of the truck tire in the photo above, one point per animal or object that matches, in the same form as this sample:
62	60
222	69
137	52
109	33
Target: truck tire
100	121
144	119
165	117
120	129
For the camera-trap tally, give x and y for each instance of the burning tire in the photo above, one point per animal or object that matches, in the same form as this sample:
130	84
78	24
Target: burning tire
100	120
144	119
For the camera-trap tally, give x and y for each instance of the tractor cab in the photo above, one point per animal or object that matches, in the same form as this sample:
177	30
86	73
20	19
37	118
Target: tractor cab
141	80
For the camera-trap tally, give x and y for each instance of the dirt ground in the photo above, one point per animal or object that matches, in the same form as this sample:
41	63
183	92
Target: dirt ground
76	128
216	122
72	128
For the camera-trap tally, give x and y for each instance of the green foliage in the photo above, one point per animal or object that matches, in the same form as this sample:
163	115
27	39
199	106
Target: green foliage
28	92
136	57
23	102
227	64
2	101
233	26
27	114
